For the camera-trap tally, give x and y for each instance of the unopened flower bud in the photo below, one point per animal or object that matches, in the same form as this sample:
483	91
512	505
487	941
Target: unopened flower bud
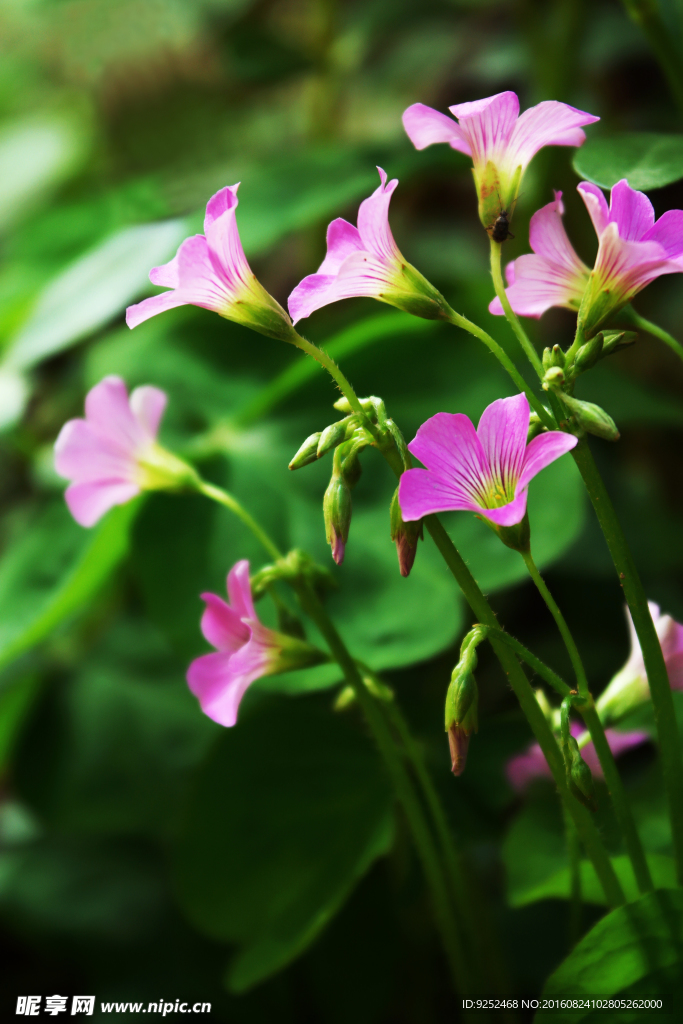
461	710
553	378
535	427
350	464
592	418
404	535
308	452
331	437
553	357
588	354
615	340
579	776
337	512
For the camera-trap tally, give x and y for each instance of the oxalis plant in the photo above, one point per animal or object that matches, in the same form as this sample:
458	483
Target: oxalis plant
113	454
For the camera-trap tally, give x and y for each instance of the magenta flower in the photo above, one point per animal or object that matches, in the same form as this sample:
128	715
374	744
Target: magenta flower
629	687
500	142
112	454
365	261
486	470
211	271
555	276
245	650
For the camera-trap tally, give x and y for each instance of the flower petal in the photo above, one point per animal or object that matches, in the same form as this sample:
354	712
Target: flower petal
88	502
222	626
373	222
421	493
538	285
314	292
448	445
549	123
425	126
342	240
668	232
510	514
624	267
543	450
548	238
223	240
148	404
596	204
632	211
219	203
487	124
84	455
503	430
108	410
239	591
142	311
217	686
522	769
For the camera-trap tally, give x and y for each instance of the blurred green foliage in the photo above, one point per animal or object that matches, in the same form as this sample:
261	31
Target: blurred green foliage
144	851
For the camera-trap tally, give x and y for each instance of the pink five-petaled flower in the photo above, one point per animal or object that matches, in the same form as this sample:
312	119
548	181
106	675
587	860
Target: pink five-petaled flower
365	261
629	687
522	769
486	470
211	270
554	276
245	650
112	454
500	142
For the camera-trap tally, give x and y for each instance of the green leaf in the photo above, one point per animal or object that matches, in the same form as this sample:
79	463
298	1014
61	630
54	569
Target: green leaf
53	571
95	288
637	949
289	811
558	885
646	159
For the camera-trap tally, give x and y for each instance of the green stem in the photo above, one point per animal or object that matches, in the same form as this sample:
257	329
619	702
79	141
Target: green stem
574	852
655	666
423	840
572	649
602	748
589	834
382	734
510	315
534	663
503	358
655	330
332	368
224	498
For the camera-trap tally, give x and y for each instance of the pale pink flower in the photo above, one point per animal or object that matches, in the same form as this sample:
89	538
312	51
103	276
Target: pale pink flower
629	687
486	470
500	142
365	261
554	276
523	768
246	650
211	271
112	454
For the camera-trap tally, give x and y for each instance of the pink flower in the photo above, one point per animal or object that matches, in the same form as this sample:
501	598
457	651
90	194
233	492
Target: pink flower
485	470
112	454
629	687
365	261
500	142
634	249
245	650
555	276
211	271
523	768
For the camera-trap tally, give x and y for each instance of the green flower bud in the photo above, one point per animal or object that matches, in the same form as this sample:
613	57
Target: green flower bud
404	535
615	340
592	418
553	378
308	452
588	355
461	710
579	776
332	436
337	513
535	427
553	357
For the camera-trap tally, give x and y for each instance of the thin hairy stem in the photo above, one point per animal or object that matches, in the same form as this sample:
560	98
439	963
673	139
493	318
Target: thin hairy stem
534	663
511	317
655	330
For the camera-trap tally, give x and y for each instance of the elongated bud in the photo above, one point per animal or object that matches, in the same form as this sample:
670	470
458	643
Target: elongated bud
337	512
588	354
404	535
332	436
461	710
592	418
368	404
615	340
308	452
351	468
553	357
579	776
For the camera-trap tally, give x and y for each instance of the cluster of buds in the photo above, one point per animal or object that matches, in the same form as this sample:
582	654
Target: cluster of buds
462	701
561	370
348	437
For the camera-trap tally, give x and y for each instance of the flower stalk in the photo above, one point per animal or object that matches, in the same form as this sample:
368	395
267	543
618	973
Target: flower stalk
511	317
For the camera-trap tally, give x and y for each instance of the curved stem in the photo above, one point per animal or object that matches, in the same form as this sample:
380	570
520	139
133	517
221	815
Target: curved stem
608	764
328	362
655	666
503	358
534	663
382	734
423	840
589	834
572	649
655	330
511	317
